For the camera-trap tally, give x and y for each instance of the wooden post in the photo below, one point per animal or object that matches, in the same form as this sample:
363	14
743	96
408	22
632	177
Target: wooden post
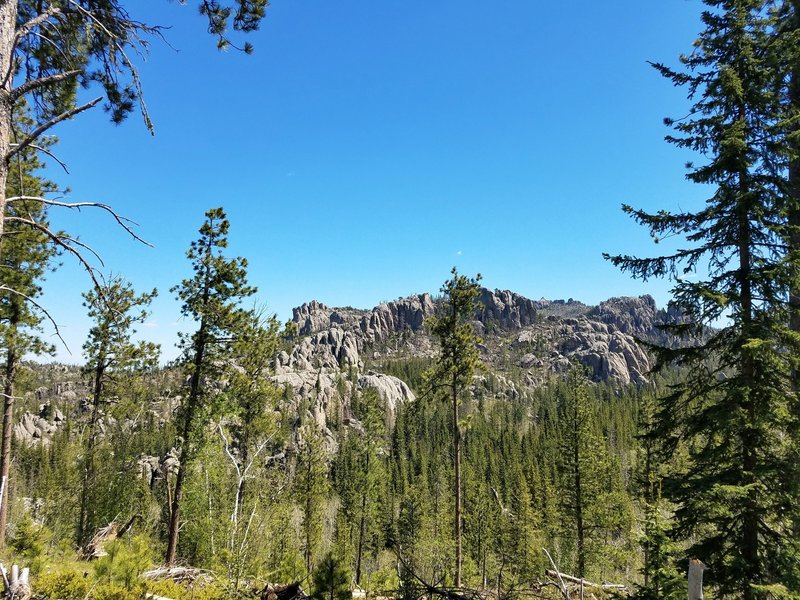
696	568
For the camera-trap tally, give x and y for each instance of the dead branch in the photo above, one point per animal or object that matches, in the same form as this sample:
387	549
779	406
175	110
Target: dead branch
562	587
32	24
124	222
442	592
586	582
43	150
47	125
5	288
35	84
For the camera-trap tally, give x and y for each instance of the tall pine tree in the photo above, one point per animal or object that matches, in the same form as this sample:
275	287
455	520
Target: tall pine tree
732	408
111	355
211	298
455	366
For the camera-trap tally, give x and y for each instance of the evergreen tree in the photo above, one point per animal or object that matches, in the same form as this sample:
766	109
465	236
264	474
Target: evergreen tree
211	299
732	408
111	354
455	366
26	255
331	580
311	486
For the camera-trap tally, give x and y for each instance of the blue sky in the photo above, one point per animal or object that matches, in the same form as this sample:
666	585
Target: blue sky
368	146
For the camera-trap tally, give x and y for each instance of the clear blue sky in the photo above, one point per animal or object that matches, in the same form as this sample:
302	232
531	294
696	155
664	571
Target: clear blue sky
368	146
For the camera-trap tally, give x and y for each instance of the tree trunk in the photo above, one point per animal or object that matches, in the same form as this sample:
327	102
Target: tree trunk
696	579
8	25
88	470
8	426
578	491
192	400
457	468
794	197
748	435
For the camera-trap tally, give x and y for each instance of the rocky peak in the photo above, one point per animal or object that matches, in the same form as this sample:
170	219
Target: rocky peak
509	310
635	315
397	316
311	317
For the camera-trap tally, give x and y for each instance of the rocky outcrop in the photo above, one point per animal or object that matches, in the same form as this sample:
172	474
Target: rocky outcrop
605	350
542	338
506	309
329	349
391	390
406	314
635	315
40	427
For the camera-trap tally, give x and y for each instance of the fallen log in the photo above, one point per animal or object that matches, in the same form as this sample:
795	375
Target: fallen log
291	591
577	581
179	575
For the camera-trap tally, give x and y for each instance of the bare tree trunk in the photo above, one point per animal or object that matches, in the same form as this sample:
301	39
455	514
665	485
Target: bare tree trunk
8	425
696	568
8	24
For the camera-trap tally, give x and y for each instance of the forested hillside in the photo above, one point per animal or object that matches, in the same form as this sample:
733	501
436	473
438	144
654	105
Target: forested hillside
349	455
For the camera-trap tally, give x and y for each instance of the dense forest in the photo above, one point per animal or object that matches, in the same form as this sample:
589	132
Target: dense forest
469	444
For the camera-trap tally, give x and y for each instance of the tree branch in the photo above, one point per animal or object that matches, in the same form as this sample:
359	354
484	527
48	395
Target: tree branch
5	288
52	122
61	163
35	84
123	222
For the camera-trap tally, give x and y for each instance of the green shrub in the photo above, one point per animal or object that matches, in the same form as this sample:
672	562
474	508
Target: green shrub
29	542
65	583
125	561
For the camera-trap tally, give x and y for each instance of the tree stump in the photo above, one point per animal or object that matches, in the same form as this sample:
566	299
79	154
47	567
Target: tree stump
696	568
18	586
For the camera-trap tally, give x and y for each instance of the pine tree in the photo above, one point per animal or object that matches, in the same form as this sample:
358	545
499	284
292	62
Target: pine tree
455	366
331	580
111	354
211	298
732	408
311	486
26	256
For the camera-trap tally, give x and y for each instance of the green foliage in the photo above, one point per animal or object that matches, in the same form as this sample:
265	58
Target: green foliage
113	362
30	542
63	583
211	298
311	487
126	559
458	357
331	580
